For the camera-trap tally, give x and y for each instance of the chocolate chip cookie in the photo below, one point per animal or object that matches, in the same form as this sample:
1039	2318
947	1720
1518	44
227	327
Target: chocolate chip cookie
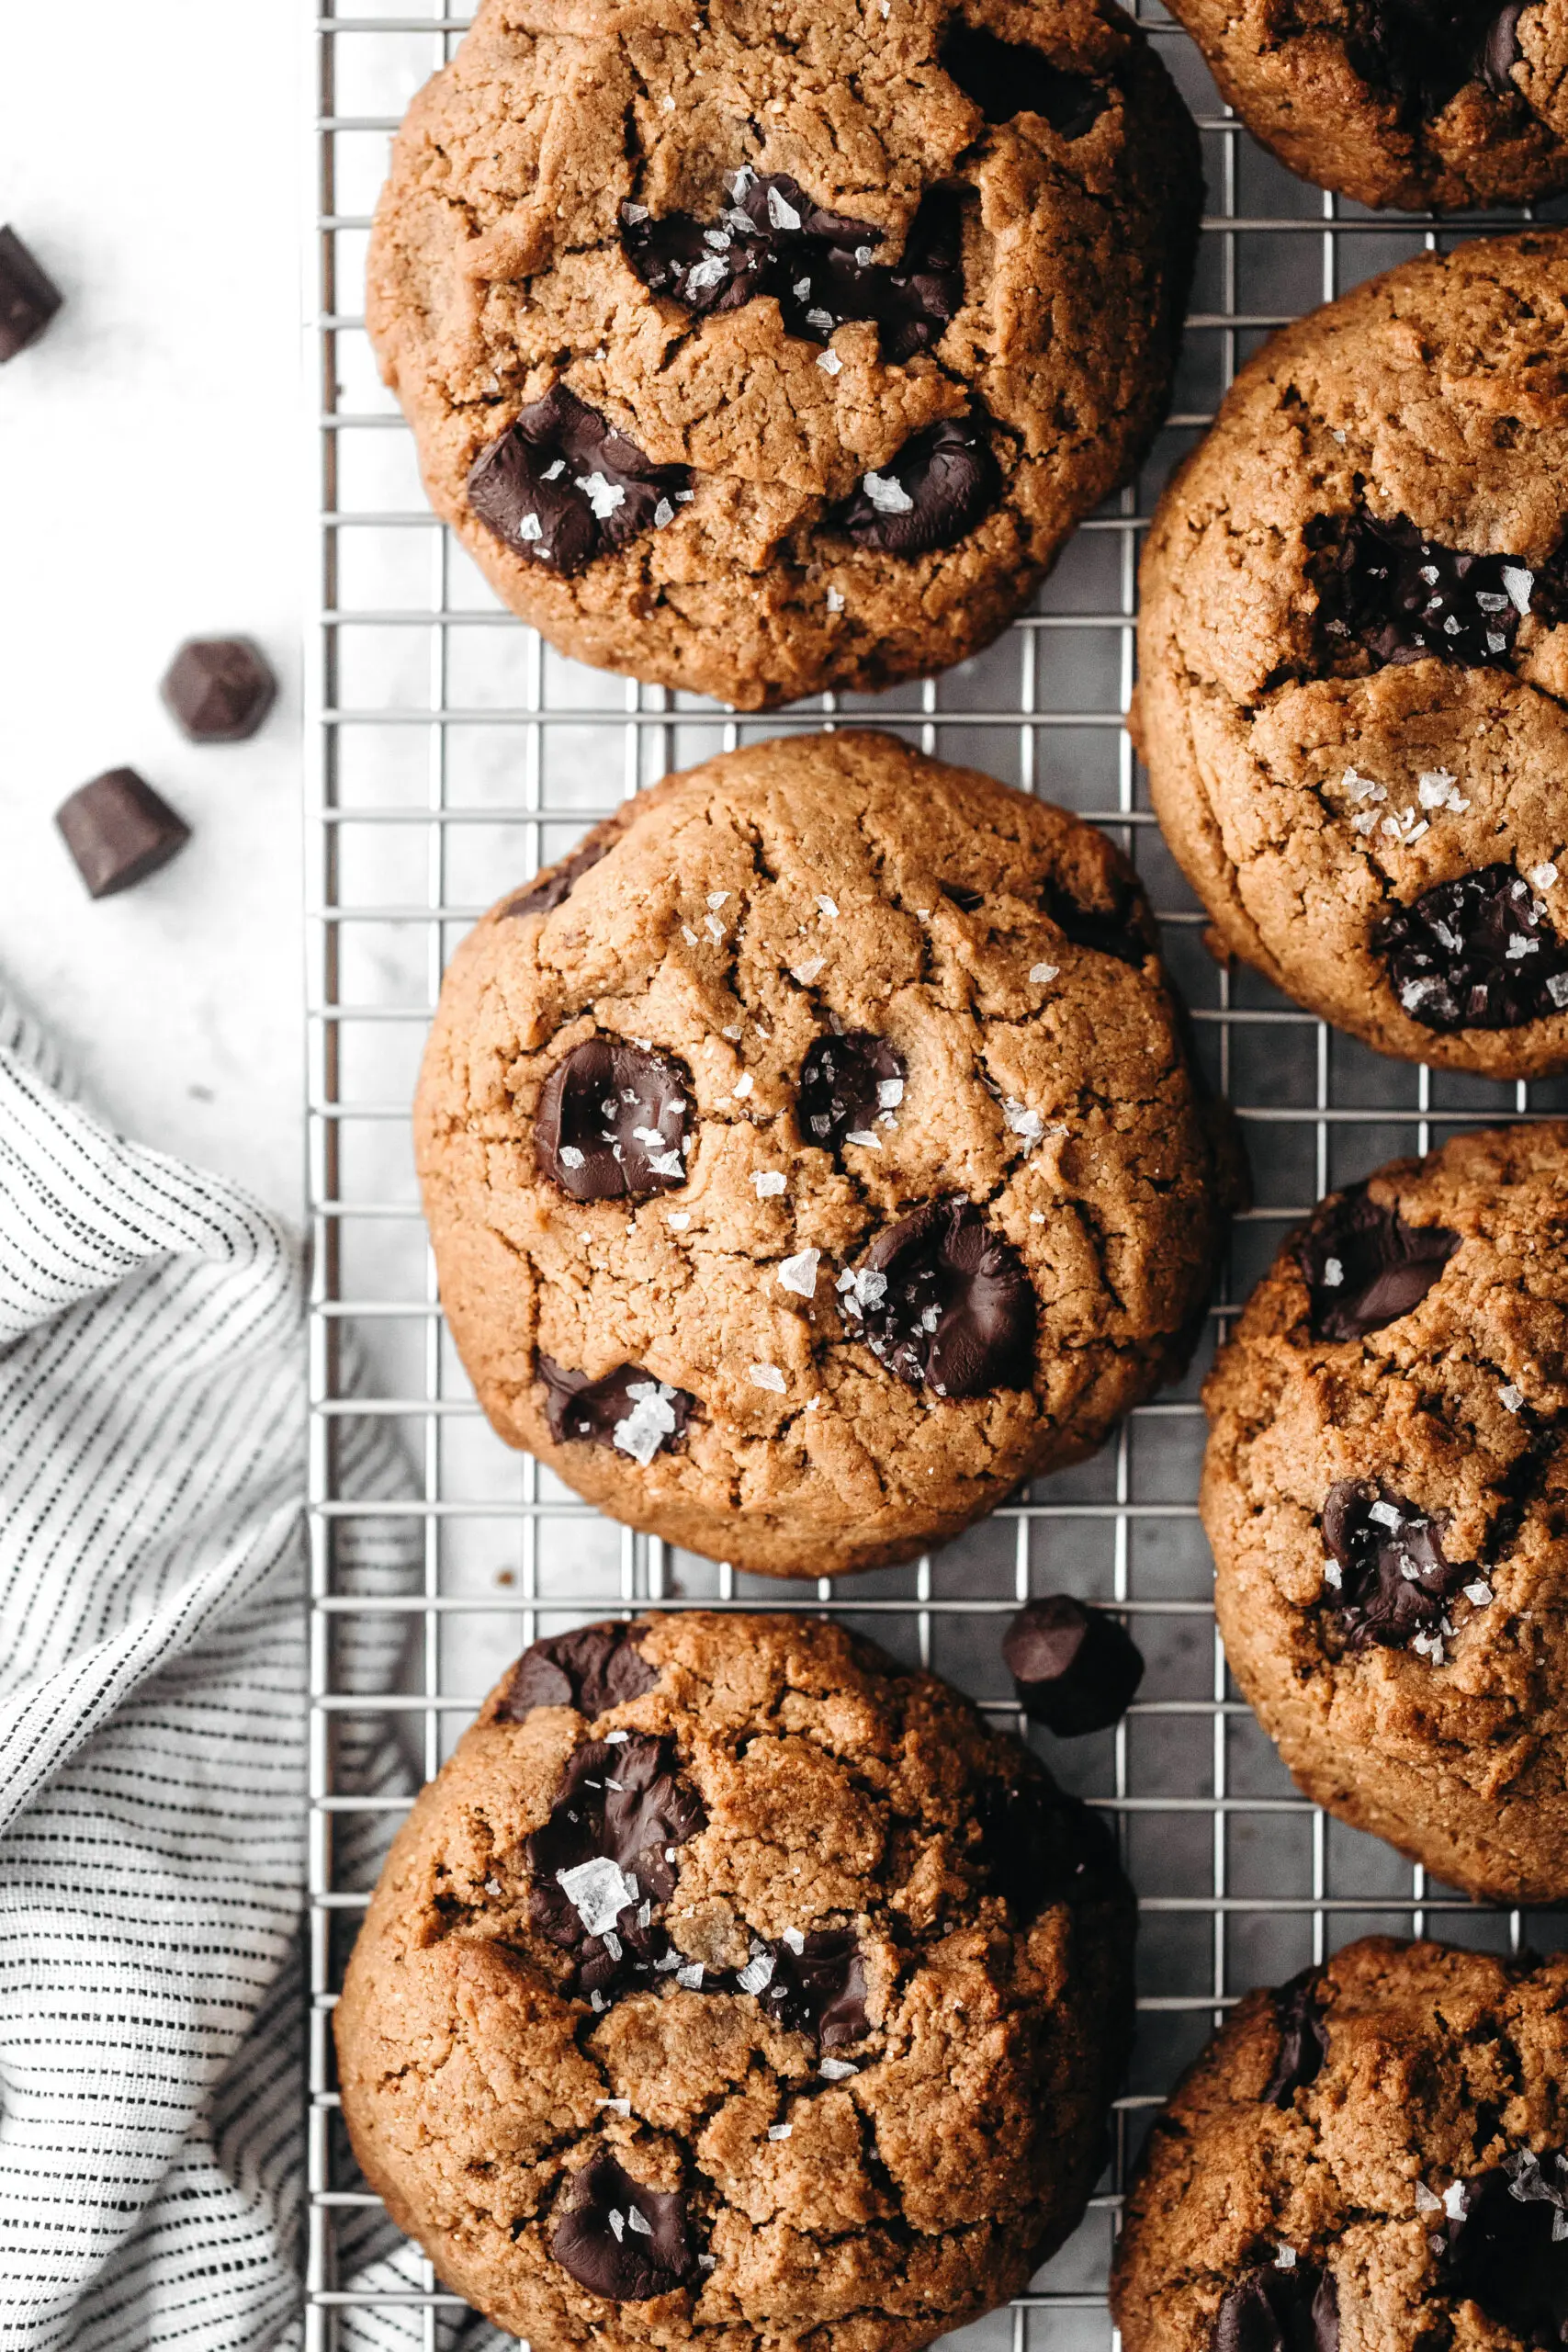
758	360
1372	2155
1387	1492
1399	101
814	1156
1353	661
733	1986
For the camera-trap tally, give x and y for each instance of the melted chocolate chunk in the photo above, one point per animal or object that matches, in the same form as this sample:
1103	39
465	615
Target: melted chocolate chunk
933	492
1364	1266
621	2239
593	1669
219	689
1476	952
611	1122
1394	1584
119	831
1507	2253
562	486
1421	53
1272	2309
1117	931
820	1989
627	1409
818	266
1075	1669
1500	50
965	899
944	1302
1037	1847
846	1085
1005	78
1303	2039
28	297
620	1802
1404	597
555	886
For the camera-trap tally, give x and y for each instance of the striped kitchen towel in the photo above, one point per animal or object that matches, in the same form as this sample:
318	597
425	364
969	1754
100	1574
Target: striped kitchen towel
152	1734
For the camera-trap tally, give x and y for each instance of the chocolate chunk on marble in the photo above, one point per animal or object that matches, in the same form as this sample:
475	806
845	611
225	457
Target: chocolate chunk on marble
562	486
119	831
1364	1267
555	886
931	493
1274	2309
1075	1668
819	1988
943	1301
613	1120
1475	952
1508	2251
1303	2038
620	2240
1006	78
847	1084
1390	1583
28	296
627	1409
593	1669
219	689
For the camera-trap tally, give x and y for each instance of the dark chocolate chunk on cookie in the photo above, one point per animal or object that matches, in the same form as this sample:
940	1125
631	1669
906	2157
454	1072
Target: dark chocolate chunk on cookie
1290	2308
563	486
1364	1267
593	1669
1005	78
848	1082
627	1409
611	1122
622	2240
1404	597
1507	2250
1386	1569
818	1986
555	886
1303	2038
1475	952
941	1300
606	1850
1074	1668
942	482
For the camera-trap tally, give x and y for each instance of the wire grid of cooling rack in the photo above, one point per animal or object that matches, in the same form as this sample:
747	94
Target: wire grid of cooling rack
452	753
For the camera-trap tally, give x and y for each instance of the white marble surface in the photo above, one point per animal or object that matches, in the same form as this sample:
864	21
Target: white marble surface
153	452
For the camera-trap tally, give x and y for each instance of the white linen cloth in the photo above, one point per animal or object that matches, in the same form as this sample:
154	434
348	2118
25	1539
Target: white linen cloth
152	1749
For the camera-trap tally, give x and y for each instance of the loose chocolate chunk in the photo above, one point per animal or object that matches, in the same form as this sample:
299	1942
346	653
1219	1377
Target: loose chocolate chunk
1117	931
1005	78
1394	1584
1303	2039
611	1122
820	1989
627	1409
1274	2310
1476	952
1074	1668
846	1085
1364	1266
28	298
552	888
1403	597
943	1300
119	831
932	493
1039	1846
621	2239
562	486
620	1802
219	689
818	266
1507	2251
593	1669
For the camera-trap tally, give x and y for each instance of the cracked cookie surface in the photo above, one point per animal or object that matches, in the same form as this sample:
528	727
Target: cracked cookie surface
1386	1492
1352	661
850	2061
875	300
838	1118
1399	102
1371	2156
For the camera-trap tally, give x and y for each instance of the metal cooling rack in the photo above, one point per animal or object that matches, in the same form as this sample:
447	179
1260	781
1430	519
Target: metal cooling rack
452	753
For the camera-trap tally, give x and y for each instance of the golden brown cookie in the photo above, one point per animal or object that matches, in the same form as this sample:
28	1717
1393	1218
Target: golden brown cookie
1353	663
1387	1492
732	1985
1371	2159
814	1156
761	354
1397	101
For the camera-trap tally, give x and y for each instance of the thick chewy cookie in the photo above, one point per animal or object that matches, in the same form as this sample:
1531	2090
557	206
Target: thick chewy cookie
733	1986
760	353
1387	1492
1353	661
1371	2159
1399	101
813	1155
